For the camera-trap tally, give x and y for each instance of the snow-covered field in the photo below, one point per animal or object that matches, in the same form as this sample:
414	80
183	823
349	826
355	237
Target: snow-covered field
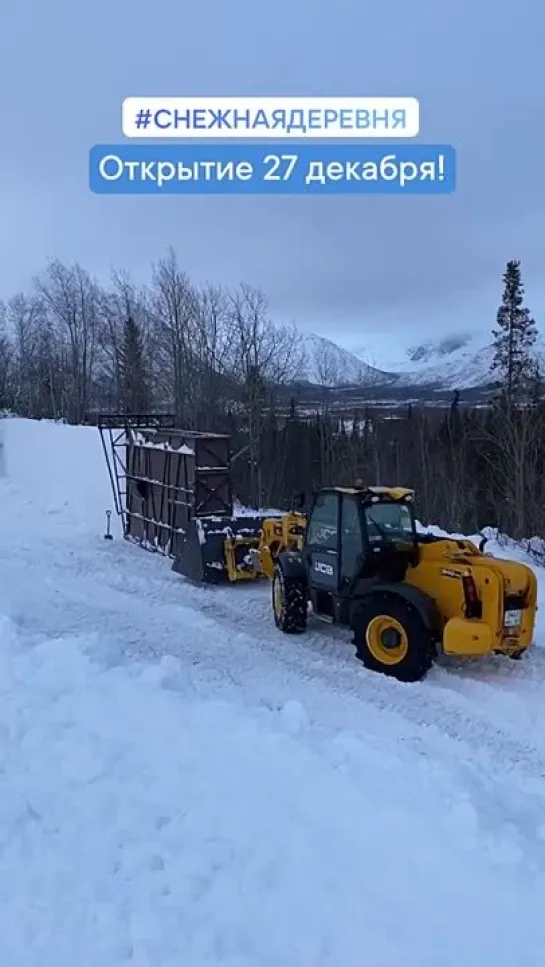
180	786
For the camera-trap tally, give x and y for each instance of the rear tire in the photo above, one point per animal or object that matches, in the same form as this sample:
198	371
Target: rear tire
517	655
391	638
289	602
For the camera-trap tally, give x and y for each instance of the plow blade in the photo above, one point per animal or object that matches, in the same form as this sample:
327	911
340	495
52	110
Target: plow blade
214	550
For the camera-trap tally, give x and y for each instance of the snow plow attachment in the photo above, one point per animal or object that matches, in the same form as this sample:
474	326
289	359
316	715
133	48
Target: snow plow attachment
216	549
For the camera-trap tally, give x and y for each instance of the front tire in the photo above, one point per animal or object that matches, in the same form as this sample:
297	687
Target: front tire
289	601
391	638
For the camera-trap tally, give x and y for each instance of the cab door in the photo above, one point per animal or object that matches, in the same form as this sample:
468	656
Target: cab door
322	553
351	543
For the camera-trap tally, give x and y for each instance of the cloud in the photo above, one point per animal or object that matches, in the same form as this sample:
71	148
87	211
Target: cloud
340	265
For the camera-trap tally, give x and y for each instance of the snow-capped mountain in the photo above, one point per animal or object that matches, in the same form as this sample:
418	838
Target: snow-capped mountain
327	364
457	361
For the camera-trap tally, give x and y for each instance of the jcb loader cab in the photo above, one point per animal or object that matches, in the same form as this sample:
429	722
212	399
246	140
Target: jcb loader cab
405	595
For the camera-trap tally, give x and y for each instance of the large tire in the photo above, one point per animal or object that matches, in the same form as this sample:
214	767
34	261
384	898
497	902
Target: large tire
392	638
290	604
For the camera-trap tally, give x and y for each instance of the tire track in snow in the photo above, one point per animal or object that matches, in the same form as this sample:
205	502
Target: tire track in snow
155	609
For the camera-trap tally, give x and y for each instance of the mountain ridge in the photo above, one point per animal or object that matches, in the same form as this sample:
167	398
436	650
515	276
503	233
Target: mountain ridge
456	360
328	364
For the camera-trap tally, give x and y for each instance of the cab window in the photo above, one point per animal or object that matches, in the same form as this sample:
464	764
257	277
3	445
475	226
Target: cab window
323	525
389	521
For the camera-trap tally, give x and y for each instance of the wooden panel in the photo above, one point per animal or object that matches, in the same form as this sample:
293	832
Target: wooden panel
173	476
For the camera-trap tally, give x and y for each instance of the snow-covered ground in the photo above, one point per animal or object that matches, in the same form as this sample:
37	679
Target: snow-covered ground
180	786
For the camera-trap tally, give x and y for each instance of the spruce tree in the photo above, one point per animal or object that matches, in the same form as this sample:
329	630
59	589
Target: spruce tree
514	340
135	394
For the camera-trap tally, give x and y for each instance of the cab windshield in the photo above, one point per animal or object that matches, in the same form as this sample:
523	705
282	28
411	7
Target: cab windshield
390	522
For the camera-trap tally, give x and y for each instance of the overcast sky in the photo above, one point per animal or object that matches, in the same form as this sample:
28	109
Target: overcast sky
364	271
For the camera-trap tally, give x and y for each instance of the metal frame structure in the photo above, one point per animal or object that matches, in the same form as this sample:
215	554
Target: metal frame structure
156	493
114	429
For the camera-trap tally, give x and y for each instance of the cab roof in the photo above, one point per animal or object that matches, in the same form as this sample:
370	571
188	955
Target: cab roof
373	494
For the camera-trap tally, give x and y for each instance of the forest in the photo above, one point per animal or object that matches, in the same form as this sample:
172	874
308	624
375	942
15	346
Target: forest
71	348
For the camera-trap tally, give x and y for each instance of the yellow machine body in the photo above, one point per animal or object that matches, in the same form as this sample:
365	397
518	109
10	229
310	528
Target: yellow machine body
277	534
440	572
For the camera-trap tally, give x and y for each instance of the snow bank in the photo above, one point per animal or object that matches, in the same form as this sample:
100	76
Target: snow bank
143	822
531	551
59	470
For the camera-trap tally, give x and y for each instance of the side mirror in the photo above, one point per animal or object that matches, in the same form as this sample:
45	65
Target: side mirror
482	544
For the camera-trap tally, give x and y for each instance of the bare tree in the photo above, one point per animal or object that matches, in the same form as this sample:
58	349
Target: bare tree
325	366
40	362
212	383
71	299
24	314
259	344
174	307
6	361
262	357
326	371
512	446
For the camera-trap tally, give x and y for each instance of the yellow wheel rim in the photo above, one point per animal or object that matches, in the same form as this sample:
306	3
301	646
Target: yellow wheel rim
278	598
387	640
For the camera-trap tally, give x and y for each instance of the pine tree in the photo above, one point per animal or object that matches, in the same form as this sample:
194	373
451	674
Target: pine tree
514	339
135	392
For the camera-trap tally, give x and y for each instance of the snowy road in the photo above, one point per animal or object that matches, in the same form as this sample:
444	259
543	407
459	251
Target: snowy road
180	785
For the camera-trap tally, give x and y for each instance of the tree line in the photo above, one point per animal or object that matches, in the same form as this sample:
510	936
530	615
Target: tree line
71	346
214	358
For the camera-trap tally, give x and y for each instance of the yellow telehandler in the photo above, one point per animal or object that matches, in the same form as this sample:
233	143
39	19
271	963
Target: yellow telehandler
358	560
